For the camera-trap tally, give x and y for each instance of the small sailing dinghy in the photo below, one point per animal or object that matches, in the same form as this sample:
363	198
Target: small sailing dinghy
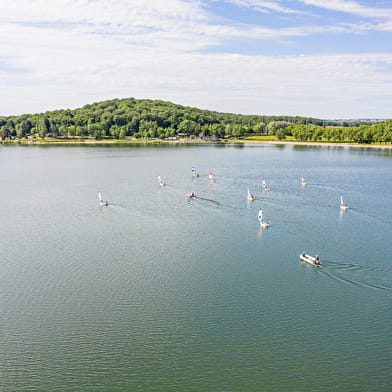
101	202
342	205
194	173
303	181
190	195
250	196
261	219
315	261
265	187
161	182
211	177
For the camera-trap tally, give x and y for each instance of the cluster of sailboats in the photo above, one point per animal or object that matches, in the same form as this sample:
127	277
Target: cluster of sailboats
315	261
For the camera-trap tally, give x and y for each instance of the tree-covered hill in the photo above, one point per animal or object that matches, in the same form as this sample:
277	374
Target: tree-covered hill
118	118
143	118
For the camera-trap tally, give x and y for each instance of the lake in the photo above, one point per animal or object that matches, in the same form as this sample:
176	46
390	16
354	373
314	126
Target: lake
158	292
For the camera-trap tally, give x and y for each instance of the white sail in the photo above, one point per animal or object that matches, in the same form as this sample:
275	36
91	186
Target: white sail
341	201
211	176
302	179
260	216
159	179
264	184
99	197
249	195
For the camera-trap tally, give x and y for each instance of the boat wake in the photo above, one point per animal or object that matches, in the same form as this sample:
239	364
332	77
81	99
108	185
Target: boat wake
212	201
322	186
359	275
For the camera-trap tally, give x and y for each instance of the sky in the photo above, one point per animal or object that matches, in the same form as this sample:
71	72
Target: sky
321	58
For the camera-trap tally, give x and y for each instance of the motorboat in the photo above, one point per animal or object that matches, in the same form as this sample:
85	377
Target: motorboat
190	195
315	261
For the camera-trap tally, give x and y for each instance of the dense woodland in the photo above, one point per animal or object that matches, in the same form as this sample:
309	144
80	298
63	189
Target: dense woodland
139	118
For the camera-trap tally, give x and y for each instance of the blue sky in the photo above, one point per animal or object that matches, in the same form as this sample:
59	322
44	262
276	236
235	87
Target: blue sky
321	58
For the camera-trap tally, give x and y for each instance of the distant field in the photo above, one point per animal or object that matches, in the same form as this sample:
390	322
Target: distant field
269	138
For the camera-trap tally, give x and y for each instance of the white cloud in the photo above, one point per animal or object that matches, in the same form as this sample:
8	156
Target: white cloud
71	52
351	7
263	6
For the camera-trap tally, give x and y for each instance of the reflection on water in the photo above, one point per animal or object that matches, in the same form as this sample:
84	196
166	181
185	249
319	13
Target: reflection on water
341	214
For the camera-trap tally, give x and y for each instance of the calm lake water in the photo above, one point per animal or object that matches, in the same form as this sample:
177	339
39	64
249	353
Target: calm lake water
157	292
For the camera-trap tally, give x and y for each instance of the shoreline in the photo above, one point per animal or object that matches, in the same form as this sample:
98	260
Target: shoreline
180	142
321	144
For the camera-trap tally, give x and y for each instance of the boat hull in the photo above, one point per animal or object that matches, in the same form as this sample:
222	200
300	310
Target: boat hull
310	260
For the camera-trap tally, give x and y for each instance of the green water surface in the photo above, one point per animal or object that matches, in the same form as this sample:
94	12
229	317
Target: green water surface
158	292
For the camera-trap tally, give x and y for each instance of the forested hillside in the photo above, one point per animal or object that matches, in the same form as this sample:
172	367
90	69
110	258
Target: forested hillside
141	118
119	118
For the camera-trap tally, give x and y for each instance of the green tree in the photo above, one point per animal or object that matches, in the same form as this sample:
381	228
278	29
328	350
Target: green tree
20	132
4	133
123	133
43	126
188	127
115	131
218	130
280	133
273	126
238	131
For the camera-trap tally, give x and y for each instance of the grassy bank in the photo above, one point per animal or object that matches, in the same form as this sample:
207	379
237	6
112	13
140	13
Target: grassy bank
291	140
88	140
268	139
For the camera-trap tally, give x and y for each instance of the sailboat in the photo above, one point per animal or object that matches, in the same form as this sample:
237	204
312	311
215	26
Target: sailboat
211	177
265	187
161	182
342	205
250	196
303	181
261	219
194	173
101	202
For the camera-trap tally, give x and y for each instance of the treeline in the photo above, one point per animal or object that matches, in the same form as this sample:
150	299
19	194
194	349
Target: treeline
142	118
119	118
376	133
